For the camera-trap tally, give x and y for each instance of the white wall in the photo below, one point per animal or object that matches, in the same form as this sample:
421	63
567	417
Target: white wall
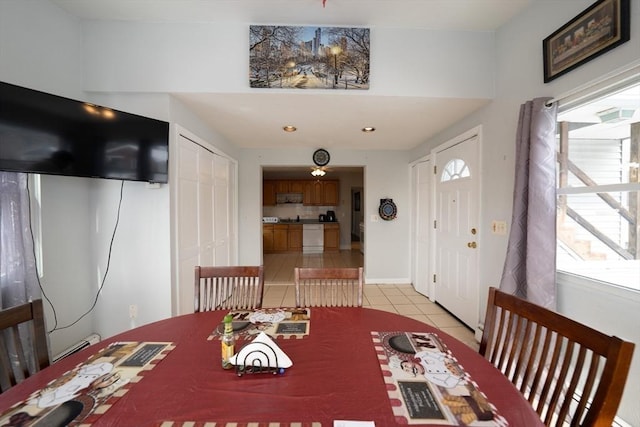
40	48
199	57
519	78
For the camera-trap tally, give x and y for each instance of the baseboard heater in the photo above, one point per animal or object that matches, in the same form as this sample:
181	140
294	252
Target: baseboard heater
86	342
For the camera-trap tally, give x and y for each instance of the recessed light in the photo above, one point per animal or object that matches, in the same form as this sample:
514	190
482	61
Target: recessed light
289	128
368	129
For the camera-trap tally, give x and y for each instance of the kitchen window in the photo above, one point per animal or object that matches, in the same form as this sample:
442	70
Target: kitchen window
598	187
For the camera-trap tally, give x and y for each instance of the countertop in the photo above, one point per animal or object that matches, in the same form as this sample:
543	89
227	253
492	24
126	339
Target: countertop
302	221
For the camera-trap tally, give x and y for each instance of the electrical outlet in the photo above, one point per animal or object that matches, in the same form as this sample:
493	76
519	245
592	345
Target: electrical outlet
133	311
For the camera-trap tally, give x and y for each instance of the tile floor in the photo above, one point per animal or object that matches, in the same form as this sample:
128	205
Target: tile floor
401	299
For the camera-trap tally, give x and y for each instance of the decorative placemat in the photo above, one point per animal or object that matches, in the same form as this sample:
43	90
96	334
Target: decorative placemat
426	384
283	323
80	396
233	424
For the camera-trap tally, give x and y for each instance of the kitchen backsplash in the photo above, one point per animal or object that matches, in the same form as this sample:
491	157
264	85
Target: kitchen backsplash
291	211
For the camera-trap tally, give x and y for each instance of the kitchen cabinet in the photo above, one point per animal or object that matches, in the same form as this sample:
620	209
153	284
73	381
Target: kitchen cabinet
314	192
330	193
289	186
280	238
282	186
331	237
321	193
295	237
268	193
296	186
267	237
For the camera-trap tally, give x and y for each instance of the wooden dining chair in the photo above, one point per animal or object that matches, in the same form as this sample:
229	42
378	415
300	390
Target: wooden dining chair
233	288
329	287
23	343
572	374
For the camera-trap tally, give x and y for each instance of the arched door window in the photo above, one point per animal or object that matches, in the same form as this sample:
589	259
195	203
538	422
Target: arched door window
455	169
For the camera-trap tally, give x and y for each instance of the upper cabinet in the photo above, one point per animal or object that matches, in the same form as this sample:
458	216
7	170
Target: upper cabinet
314	192
331	194
268	193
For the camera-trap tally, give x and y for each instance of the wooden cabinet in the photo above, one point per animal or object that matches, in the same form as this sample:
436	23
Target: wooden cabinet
331	237
268	193
296	186
295	237
280	238
314	192
282	187
267	237
330	193
321	193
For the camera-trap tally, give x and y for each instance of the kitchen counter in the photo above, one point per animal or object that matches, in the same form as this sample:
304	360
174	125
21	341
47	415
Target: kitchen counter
304	221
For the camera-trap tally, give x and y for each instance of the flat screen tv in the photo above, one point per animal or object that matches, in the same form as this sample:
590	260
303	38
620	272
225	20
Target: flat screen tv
49	134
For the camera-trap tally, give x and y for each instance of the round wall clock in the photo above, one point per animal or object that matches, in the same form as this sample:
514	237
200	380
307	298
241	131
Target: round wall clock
387	209
321	157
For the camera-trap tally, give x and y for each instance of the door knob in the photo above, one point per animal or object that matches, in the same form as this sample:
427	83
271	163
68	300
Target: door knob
472	245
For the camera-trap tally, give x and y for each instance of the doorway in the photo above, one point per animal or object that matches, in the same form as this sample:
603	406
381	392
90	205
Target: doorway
357	219
339	252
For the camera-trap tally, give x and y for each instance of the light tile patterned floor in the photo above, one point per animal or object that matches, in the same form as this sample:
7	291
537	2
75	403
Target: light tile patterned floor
401	299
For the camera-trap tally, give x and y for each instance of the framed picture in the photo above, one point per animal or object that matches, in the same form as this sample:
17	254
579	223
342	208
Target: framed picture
599	28
284	57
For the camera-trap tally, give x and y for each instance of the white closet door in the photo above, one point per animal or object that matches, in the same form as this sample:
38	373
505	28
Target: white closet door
422	173
206	205
205	211
187	238
221	208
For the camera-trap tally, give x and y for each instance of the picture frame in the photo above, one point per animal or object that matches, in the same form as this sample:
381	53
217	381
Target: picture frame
309	57
601	27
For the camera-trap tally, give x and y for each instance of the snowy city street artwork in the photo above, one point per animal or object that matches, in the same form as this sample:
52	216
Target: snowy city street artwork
308	57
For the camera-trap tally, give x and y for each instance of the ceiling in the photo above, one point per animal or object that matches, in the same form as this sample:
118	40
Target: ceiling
255	120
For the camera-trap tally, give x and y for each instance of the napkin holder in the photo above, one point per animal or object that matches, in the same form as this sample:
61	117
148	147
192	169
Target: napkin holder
252	360
262	355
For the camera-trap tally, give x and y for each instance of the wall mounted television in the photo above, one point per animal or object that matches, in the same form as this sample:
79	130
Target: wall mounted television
49	134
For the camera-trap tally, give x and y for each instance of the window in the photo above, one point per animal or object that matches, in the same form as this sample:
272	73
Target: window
598	205
454	169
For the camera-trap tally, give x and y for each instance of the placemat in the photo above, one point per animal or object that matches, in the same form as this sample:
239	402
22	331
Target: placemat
80	396
426	384
278	323
234	424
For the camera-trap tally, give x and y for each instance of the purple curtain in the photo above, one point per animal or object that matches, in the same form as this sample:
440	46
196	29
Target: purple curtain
18	275
530	265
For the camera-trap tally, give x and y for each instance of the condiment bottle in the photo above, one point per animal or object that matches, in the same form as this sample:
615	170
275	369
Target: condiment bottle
228	342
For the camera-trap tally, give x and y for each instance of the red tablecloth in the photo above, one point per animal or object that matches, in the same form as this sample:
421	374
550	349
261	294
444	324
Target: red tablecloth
335	375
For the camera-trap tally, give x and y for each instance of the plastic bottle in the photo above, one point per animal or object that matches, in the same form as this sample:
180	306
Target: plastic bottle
228	342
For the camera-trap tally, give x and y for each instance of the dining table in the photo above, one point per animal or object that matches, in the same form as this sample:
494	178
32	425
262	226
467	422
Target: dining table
349	364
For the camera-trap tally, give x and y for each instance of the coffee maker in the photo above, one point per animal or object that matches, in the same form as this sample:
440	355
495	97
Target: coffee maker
331	216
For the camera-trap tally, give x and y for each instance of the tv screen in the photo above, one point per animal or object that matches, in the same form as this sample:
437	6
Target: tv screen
49	134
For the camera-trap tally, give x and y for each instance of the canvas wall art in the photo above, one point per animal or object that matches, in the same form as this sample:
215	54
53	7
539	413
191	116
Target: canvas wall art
287	57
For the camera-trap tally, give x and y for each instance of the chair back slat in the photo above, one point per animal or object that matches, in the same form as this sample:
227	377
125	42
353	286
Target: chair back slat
571	373
24	349
329	287
232	288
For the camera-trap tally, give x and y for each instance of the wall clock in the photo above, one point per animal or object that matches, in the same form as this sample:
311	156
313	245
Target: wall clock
321	157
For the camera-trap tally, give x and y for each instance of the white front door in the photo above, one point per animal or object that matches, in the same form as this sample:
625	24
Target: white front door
456	229
422	225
